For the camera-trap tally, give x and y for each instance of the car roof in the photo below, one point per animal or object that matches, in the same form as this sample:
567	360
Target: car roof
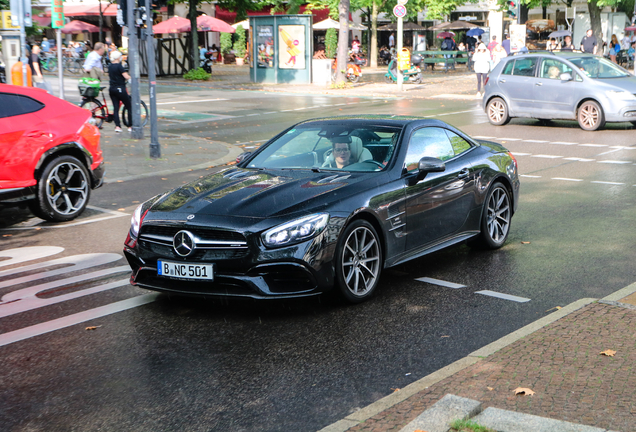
34	92
377	120
563	54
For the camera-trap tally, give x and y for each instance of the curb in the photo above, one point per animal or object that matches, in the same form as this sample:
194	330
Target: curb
386	402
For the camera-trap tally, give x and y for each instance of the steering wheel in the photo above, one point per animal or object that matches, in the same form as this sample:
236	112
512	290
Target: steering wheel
375	162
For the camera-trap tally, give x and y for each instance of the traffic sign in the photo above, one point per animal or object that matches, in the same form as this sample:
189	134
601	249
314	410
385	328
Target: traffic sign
402	2
399	11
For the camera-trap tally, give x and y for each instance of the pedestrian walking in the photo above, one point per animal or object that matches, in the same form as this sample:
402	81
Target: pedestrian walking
36	66
614	48
498	53
589	43
506	44
481	65
118	76
391	42
45	45
93	63
492	44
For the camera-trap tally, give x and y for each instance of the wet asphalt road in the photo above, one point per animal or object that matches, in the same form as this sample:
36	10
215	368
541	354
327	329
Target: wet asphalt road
182	364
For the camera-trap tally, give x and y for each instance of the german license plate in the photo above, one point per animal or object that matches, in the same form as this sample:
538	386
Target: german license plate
185	270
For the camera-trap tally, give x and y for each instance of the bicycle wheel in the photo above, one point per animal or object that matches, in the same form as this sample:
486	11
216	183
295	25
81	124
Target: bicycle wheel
72	66
97	109
144	115
52	64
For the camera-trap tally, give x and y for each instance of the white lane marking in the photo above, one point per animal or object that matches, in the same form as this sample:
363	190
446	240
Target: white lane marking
251	142
75	263
251	115
440	283
535	141
509	139
567	179
30	253
593	145
503	296
30	303
342	104
614	162
606	182
577	159
192	101
271	112
67	321
456	112
31	225
529	176
521	154
113	212
563	143
547	156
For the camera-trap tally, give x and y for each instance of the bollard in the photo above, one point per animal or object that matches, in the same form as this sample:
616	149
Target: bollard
16	75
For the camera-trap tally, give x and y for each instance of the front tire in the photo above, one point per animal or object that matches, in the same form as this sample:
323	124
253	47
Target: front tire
97	110
495	219
358	261
498	112
63	190
590	116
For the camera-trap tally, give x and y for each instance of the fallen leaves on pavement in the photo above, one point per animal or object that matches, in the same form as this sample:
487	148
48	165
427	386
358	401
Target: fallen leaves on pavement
525	391
608	353
92	327
525	242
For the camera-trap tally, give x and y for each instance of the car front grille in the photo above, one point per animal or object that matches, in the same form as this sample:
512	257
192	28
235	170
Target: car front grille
210	243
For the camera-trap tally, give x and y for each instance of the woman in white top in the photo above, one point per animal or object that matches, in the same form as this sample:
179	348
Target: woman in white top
497	54
481	61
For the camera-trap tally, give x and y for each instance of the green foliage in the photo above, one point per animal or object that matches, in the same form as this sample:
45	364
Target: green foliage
239	45
469	426
226	43
242	6
4	5
197	74
331	43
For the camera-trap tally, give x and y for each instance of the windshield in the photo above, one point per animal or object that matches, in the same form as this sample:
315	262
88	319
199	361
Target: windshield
598	67
338	146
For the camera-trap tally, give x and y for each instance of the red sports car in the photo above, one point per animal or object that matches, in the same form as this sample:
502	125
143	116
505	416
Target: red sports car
50	156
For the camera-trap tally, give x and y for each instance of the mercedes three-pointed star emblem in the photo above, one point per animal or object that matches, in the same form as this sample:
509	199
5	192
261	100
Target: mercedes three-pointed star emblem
183	243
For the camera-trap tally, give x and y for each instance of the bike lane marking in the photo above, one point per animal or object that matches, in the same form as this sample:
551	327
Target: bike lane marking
30	253
70	320
37	223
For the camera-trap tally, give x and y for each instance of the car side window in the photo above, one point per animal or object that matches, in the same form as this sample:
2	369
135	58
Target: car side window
427	142
525	66
459	144
508	68
14	105
552	69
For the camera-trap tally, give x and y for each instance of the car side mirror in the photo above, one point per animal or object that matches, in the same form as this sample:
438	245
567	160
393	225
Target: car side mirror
428	165
240	158
565	77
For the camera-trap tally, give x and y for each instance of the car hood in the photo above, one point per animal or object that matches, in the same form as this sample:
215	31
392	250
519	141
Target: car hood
259	193
625	83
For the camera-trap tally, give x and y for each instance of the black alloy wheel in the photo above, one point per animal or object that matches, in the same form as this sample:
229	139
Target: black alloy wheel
495	219
358	261
63	190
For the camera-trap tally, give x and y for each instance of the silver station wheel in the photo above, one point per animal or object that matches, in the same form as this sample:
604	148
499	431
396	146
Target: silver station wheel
498	112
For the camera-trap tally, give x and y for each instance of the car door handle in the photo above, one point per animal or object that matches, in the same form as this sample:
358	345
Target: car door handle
538	84
502	81
463	173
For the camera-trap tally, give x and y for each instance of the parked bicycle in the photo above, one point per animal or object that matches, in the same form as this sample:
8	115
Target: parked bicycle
49	62
90	89
74	64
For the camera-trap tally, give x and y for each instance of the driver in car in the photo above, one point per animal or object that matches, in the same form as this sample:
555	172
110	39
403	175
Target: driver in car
342	154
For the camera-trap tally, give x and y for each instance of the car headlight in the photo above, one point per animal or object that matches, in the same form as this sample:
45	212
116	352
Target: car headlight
295	231
135	221
620	94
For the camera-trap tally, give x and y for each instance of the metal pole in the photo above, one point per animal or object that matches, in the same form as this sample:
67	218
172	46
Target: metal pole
23	58
133	69
155	148
60	65
101	23
400	26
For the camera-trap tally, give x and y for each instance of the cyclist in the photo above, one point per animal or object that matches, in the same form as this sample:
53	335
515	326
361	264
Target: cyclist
93	63
117	91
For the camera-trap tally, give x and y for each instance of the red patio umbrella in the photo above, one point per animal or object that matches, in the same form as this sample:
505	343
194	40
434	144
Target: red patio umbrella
632	28
443	35
175	24
207	23
77	26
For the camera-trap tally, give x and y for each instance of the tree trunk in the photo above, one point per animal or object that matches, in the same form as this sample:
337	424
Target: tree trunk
192	16
523	13
595	19
343	41
373	43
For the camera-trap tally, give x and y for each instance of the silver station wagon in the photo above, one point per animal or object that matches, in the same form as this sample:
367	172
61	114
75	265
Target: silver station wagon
565	85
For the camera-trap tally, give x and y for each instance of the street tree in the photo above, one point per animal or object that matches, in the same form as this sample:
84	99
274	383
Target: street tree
343	41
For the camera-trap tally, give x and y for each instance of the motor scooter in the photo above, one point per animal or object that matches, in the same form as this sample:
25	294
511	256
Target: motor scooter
411	75
354	72
207	63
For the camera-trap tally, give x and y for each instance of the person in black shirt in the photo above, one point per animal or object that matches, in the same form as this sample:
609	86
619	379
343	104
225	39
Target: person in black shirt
117	76
36	65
